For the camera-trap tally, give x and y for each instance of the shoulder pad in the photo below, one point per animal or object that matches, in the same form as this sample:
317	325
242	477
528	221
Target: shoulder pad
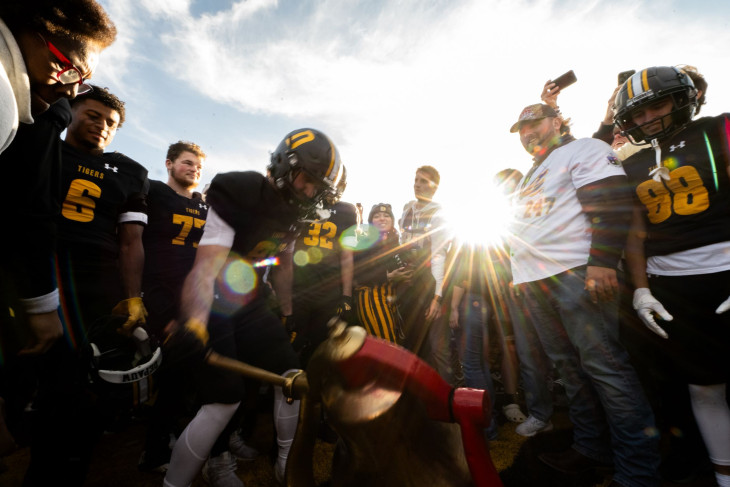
232	192
130	166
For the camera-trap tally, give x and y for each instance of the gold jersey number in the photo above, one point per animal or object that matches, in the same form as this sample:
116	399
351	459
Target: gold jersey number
80	200
683	194
321	234
187	222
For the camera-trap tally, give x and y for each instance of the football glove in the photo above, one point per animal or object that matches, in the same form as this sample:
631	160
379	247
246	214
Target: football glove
344	308
290	326
188	343
136	312
724	306
646	306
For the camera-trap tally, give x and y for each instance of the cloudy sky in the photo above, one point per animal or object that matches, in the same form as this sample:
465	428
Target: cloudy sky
395	83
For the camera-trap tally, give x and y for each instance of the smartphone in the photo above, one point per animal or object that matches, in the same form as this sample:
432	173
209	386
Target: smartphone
565	80
624	75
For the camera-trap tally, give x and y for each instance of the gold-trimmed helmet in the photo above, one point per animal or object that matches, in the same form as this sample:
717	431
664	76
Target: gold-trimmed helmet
312	152
647	87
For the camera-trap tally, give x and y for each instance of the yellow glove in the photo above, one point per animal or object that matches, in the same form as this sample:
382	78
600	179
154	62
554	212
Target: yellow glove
134	308
188	343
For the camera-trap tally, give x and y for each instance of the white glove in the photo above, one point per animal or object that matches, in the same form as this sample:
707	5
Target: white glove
723	307
646	305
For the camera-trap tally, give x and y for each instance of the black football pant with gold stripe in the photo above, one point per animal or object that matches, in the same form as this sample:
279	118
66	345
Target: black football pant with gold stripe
376	310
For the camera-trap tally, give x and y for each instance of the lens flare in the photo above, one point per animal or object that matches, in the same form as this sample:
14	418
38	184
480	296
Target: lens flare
240	277
479	217
301	258
671	163
314	255
359	238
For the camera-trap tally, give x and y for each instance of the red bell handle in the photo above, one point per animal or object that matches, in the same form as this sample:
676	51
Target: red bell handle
396	368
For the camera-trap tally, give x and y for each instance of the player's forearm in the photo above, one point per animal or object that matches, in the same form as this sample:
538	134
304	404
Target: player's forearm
282	278
131	259
197	293
347	271
196	298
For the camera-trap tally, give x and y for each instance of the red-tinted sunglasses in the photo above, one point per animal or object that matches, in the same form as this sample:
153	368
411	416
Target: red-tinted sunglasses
70	74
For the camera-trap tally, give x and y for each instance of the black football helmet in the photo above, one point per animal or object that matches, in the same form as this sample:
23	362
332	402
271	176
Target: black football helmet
118	359
648	86
333	197
312	152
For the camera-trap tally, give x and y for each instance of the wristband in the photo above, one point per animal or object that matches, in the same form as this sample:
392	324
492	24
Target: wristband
42	304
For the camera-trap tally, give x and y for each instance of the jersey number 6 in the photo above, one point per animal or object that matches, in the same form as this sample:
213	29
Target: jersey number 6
79	203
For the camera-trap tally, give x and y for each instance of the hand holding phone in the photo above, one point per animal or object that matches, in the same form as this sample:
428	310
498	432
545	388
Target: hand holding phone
565	80
624	75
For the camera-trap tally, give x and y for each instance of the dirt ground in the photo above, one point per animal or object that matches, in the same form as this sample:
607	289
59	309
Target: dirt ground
115	462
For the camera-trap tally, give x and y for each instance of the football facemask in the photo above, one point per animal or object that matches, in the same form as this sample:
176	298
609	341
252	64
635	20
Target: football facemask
648	87
118	359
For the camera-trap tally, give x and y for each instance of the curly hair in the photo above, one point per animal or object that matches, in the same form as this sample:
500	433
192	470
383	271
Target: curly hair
699	81
174	151
80	20
103	95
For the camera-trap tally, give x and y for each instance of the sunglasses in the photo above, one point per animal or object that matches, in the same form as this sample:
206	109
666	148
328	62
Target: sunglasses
70	74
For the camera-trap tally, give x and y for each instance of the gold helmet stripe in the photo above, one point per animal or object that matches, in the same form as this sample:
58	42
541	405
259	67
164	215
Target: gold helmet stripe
333	159
644	80
638	84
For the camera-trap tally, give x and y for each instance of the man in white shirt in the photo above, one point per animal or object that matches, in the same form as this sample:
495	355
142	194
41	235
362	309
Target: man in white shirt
570	225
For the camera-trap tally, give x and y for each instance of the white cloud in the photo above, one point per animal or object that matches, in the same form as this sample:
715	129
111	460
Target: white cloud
166	8
400	84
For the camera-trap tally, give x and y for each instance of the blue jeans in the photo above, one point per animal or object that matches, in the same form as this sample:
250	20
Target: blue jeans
606	399
535	366
474	359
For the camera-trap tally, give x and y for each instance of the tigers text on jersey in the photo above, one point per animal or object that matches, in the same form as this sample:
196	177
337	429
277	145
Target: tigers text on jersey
317	252
100	191
550	232
692	208
175	225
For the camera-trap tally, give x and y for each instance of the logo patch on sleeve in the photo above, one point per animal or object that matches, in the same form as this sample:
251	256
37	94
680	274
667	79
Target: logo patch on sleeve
613	160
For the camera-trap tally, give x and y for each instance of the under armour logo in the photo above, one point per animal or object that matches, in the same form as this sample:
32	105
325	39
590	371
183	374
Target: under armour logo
113	168
680	146
201	205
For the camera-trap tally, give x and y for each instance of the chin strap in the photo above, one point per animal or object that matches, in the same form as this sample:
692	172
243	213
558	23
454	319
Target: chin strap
660	171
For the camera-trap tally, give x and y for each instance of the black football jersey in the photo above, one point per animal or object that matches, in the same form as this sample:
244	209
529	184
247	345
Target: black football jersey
265	226
100	191
317	252
32	166
692	208
264	223
174	227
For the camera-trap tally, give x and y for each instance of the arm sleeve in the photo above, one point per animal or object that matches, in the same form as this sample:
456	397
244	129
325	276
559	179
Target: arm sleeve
604	133
608	204
440	240
135	209
216	231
